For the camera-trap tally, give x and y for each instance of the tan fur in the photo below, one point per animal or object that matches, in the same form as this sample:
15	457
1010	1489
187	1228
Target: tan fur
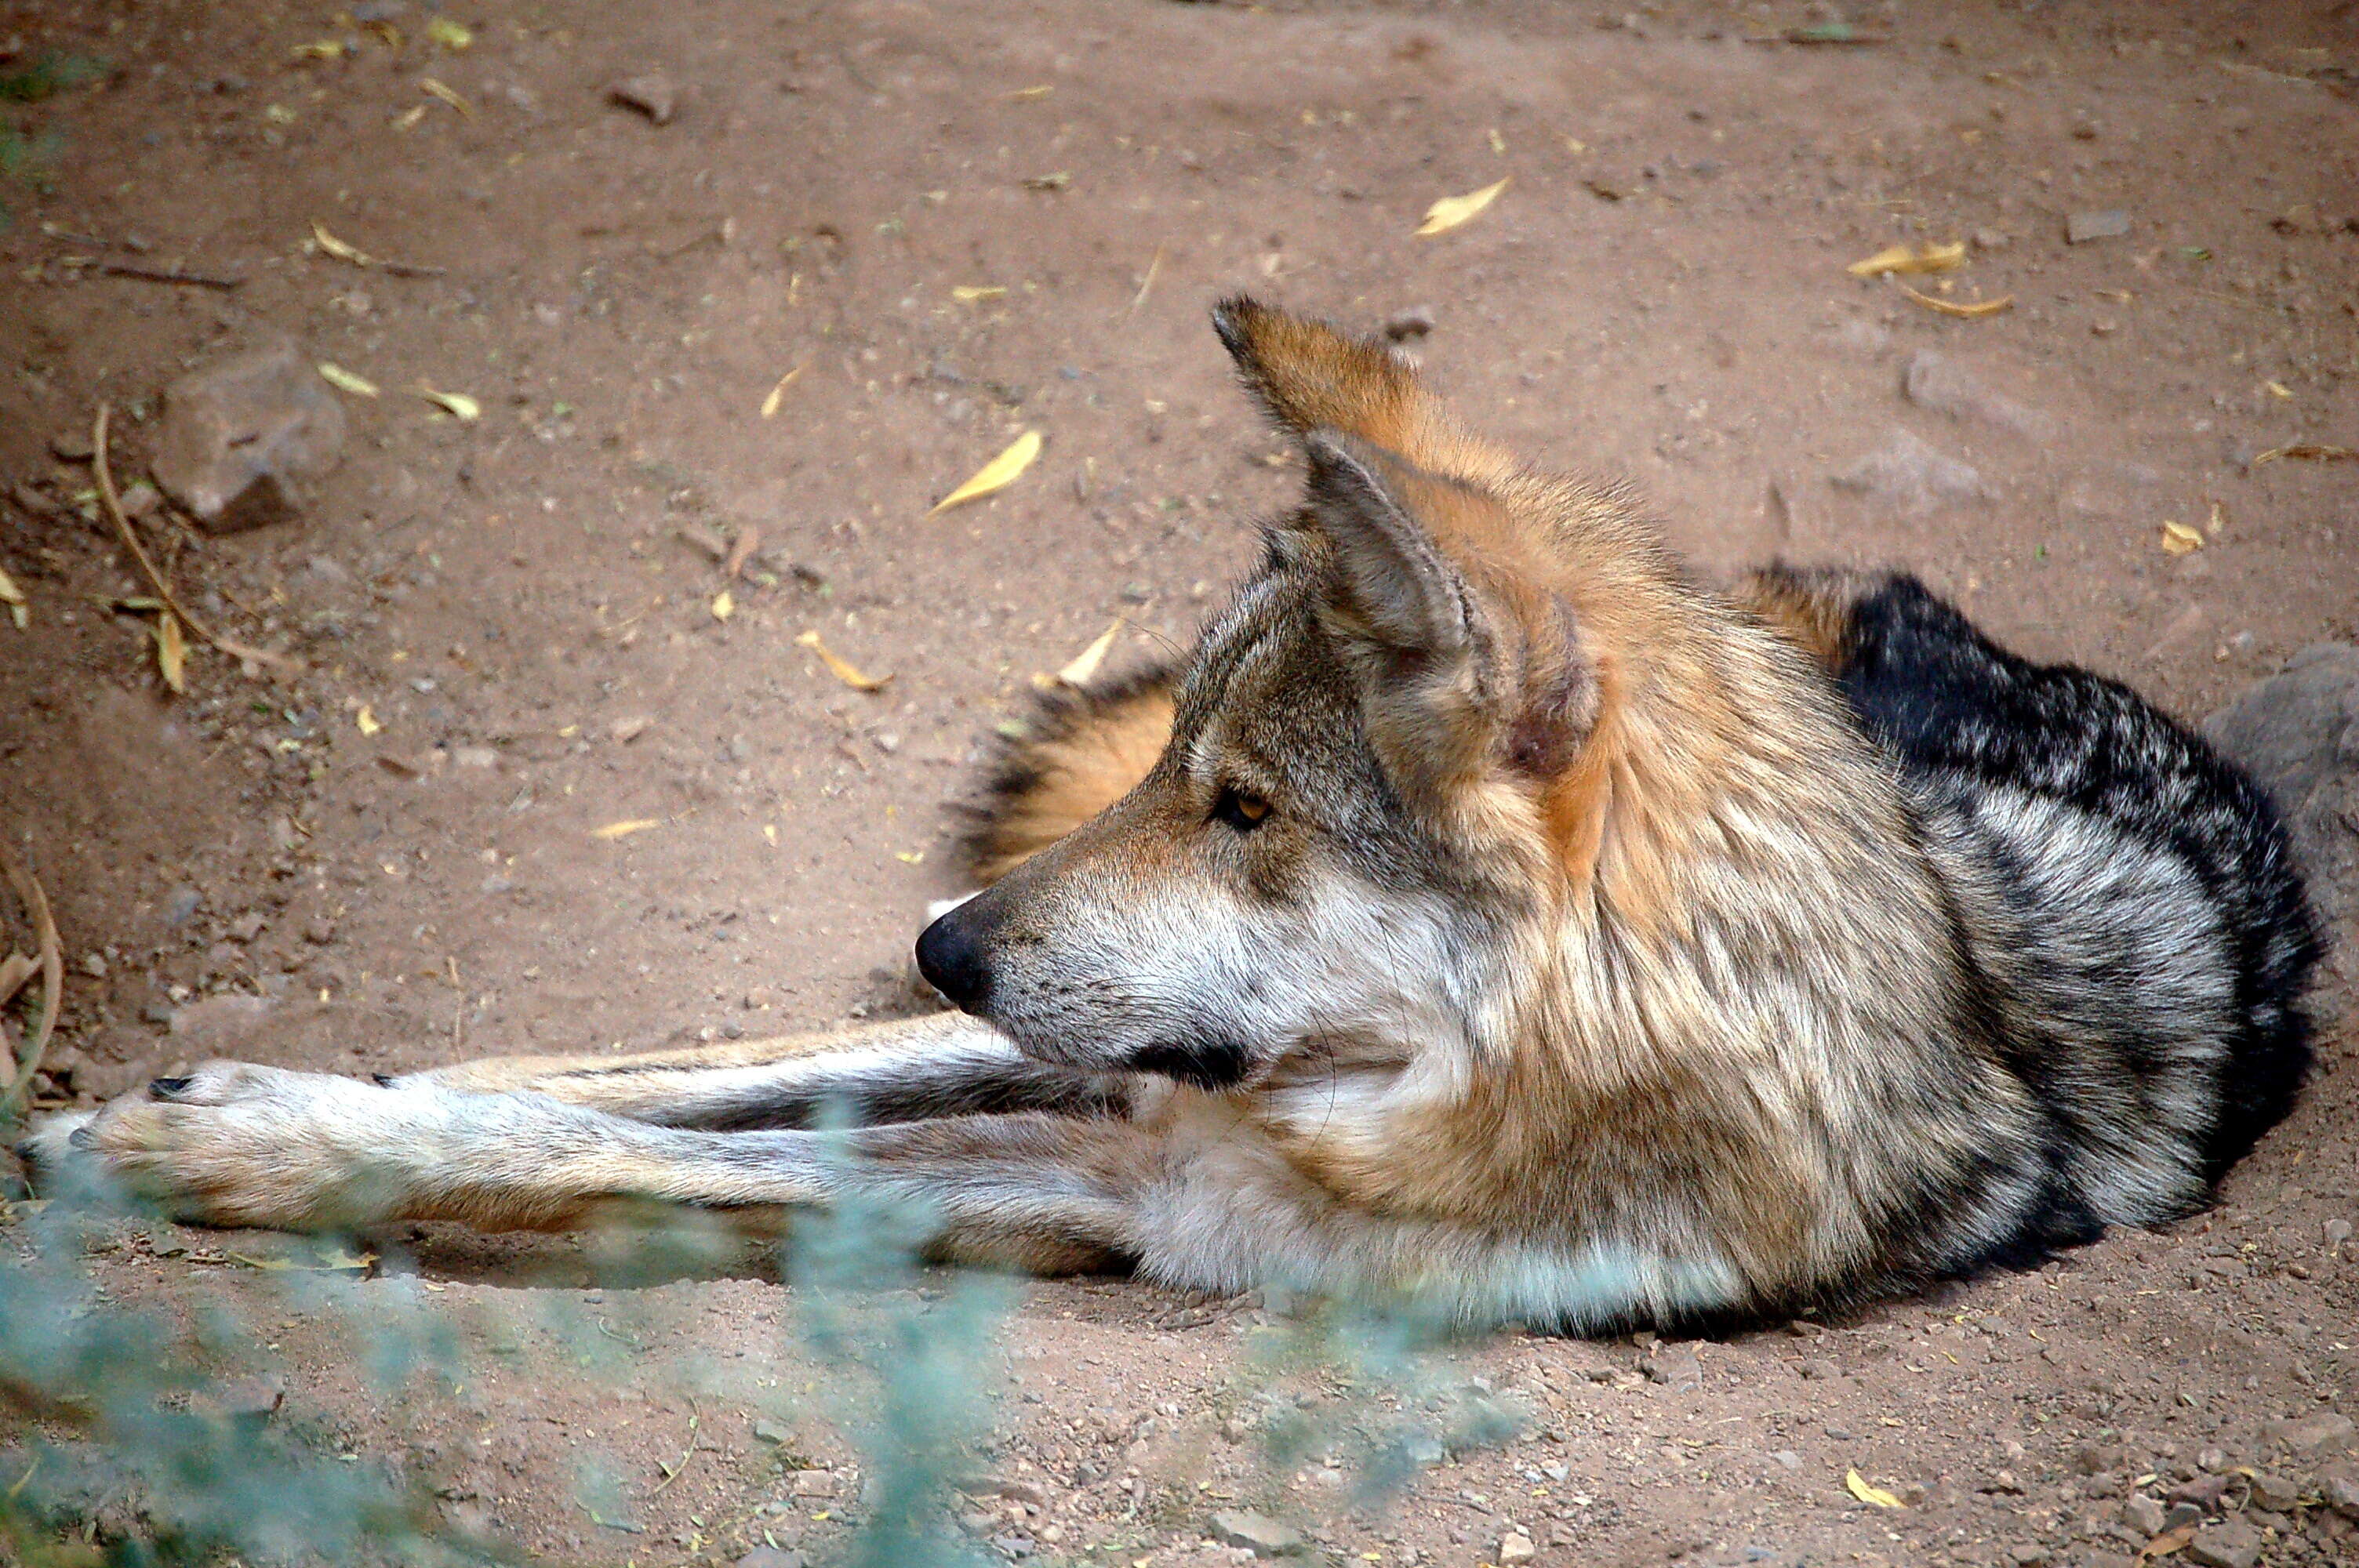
1095	751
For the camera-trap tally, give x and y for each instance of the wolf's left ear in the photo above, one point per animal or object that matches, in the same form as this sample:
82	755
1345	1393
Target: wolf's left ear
1467	664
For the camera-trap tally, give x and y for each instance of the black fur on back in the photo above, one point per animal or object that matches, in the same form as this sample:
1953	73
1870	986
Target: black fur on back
1945	699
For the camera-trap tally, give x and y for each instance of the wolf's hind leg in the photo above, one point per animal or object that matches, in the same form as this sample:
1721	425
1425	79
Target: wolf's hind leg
234	1144
909	1070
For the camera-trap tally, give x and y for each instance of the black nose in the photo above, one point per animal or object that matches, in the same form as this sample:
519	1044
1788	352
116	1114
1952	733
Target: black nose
950	956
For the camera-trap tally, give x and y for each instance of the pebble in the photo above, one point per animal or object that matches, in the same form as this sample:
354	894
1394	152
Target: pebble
1515	1548
772	1557
1819	1371
653	95
812	1483
2325	1433
2341	1490
771	1432
1675	1367
2337	1232
2143	1514
1909	472
1935	382
1414	323
2103	223
240	437
71	446
1262	1536
2272	1490
2230	1543
181	903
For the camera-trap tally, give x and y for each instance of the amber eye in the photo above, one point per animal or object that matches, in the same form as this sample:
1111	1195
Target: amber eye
1240	811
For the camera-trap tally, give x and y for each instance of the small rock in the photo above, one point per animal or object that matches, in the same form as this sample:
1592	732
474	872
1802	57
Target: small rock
2094	1458
2297	732
2341	1490
2028	1555
1934	381
2204	1492
812	1483
1991	240
772	1557
1787	1458
1912	475
1414	323
2143	1514
652	95
1013	1544
475	756
1515	1548
627	728
2007	1482
2274	1491
2230	1543
213	1024
770	1432
71	446
2325	1433
1261	1536
2104	223
1818	1370
2336	1232
1674	1366
241	1398
180	903
240	437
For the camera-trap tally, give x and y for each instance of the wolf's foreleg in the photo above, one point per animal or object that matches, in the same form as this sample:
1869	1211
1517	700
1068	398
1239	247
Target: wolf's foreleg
234	1144
911	1070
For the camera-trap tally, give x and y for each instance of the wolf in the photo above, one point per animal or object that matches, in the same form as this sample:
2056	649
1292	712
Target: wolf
1484	913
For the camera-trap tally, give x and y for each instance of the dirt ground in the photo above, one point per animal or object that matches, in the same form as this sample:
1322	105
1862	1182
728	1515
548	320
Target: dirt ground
929	228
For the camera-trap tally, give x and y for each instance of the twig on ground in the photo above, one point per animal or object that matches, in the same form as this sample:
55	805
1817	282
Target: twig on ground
1140	297
685	1455
53	977
170	275
113	504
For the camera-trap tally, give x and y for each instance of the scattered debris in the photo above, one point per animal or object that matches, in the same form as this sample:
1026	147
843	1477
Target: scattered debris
352	256
850	674
1968	309
1910	259
2108	224
1861	1488
998	474
1452	210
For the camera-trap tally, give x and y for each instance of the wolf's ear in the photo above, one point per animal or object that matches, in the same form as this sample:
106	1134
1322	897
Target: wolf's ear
1467	666
1309	376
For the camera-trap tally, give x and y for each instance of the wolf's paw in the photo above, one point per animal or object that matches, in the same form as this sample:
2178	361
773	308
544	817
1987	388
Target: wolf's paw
234	1144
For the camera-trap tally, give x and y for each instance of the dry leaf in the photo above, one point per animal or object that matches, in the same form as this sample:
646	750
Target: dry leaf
409	117
1085	663
452	36
1980	307
1452	211
2314	451
342	379
741	550
2169	1541
366	720
1875	1496
1057	181
458	404
434	89
770	404
1024	94
624	829
998	474
15	970
2277	389
14	598
329	1261
2179	539
723	605
1902	258
335	247
326	48
850	674
172	650
968	293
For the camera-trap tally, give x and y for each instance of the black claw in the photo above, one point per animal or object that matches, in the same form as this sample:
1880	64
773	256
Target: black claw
166	1089
82	1137
383	1080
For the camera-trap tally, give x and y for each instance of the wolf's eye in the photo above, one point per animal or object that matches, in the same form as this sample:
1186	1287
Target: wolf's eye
1240	811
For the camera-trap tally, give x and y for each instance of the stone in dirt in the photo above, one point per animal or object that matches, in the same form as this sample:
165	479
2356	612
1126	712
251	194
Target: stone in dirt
1934	381
1515	1548
652	95
2297	732
2230	1543
241	438
2325	1433
2143	1514
1262	1536
771	1557
1909	472
2104	223
1675	1366
2341	1490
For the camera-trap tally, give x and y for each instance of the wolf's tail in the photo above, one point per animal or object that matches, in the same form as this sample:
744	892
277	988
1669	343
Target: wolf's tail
1080	749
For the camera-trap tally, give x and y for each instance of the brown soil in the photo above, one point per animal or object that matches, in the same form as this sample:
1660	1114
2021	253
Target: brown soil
1659	294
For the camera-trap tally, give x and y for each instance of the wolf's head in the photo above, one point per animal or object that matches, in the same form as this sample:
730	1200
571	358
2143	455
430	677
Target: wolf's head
1392	762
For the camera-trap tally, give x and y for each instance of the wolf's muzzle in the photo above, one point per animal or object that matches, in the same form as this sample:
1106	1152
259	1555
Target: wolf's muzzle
950	956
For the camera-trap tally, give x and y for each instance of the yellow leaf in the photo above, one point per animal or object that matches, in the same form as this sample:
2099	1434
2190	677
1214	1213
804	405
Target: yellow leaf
613	831
326	48
458	404
1085	663
366	720
1950	307
2316	451
770	404
9	592
328	1261
1865	1493
1452	211
434	89
1902	258
342	379
848	675
1498	142
968	293
724	606
998	474
2277	389
452	36
910	857
172	650
409	116
1024	94
335	247
2179	539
